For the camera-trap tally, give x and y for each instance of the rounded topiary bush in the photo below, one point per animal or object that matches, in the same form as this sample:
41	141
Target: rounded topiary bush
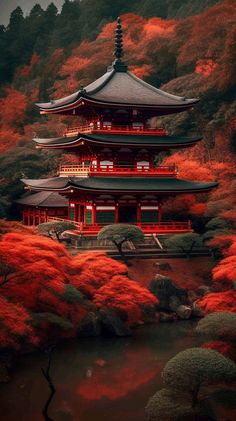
193	368
165	405
220	325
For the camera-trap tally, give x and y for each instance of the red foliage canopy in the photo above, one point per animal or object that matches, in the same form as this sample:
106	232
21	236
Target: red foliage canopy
14	325
225	271
40	271
92	270
126	297
218	301
220	346
226	243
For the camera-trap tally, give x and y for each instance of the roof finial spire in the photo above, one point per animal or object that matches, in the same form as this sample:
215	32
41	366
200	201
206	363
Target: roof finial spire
118	64
118	52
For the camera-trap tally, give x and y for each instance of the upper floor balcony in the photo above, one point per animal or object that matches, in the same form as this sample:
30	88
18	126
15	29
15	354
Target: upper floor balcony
102	170
108	128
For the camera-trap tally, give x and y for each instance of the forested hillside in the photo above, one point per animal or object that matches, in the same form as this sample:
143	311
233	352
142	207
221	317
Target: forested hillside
54	54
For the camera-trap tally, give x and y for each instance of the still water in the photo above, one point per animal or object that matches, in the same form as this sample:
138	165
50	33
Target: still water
96	379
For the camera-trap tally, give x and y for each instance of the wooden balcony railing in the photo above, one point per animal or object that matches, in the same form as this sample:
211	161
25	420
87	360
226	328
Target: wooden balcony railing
108	170
93	128
168	227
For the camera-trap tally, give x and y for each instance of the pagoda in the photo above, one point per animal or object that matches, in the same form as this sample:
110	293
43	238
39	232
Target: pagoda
116	179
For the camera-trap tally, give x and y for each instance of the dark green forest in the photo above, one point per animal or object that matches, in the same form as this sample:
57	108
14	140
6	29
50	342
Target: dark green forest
43	31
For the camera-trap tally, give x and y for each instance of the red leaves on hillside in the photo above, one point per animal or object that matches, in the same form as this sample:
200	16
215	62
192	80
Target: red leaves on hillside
218	301
8	139
205	67
125	297
26	70
203	40
13	107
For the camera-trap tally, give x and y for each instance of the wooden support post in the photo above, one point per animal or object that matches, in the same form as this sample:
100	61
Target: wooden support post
138	214
93	214
34	218
159	213
85	215
79	213
116	213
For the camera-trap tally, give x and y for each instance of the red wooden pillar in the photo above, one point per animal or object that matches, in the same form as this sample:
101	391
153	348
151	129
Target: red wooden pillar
85	214
138	213
34	217
79	213
117	213
159	213
93	214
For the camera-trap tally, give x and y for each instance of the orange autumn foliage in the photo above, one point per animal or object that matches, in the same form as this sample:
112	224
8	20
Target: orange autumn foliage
125	297
13	107
218	301
205	67
25	71
8	138
203	38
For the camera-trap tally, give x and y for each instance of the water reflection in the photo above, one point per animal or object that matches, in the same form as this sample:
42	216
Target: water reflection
102	379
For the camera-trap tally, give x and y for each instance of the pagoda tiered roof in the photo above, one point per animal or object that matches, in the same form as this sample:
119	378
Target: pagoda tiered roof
106	139
119	87
118	185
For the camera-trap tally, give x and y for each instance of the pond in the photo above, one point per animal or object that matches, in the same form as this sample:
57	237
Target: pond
100	379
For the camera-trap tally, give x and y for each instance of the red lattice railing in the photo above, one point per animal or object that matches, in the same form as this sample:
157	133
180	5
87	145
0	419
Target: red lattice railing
114	170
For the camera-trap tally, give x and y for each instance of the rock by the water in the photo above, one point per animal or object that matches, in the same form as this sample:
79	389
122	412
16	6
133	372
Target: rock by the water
196	310
163	266
112	325
184	312
174	302
203	290
163	288
90	325
167	317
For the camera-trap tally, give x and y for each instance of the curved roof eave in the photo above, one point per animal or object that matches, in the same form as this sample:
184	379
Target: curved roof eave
44	199
102	90
120	140
121	184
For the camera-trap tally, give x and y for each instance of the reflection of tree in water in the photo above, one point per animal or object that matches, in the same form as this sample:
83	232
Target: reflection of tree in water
64	413
47	375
